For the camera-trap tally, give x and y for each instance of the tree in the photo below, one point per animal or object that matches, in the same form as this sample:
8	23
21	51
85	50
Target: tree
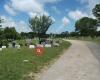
98	33
0	28
1	32
86	26
74	34
10	33
0	22
29	35
64	34
40	25
96	12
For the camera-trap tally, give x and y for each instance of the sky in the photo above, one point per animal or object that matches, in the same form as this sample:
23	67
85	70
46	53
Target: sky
64	13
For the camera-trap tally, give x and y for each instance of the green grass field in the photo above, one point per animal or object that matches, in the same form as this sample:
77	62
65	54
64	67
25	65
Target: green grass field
12	66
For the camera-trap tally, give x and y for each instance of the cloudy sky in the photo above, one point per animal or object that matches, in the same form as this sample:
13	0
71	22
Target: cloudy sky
16	13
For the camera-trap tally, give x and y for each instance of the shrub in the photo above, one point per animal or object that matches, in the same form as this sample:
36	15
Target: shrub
0	43
5	43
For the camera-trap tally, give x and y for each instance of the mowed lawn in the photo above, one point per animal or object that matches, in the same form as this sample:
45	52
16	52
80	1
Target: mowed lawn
12	66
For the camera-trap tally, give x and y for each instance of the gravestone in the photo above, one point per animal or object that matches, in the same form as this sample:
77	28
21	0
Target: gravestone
31	46
28	41
10	45
47	45
17	46
0	49
55	44
3	47
39	45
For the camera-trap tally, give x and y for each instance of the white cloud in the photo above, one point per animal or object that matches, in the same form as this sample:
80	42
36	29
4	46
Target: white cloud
89	4
92	16
46	13
77	14
61	28
7	22
48	1
57	29
9	10
65	21
31	14
53	19
20	26
29	6
55	10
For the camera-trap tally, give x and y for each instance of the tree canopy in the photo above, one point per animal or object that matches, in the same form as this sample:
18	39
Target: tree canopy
40	24
96	11
10	33
0	22
86	26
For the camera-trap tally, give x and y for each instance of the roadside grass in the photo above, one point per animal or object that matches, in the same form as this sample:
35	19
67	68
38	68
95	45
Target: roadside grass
96	40
12	66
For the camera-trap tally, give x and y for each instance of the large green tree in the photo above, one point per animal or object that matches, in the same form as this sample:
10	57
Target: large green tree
96	12
10	33
0	27
0	22
40	25
1	32
86	26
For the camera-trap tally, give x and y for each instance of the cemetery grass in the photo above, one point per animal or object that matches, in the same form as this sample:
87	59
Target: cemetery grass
12	66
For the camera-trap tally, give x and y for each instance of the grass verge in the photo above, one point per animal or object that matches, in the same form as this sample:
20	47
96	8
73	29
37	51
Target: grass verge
96	40
12	66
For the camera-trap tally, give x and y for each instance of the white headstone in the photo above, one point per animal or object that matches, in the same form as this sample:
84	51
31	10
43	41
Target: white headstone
0	49
40	45
3	47
17	46
56	44
48	45
31	46
25	60
10	45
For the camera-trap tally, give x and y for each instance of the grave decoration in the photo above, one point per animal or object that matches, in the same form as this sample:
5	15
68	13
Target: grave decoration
39	50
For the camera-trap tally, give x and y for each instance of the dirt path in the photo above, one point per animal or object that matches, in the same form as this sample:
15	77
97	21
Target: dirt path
95	48
77	63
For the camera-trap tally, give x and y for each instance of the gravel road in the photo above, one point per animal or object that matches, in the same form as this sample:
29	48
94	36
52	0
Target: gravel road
95	48
77	63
